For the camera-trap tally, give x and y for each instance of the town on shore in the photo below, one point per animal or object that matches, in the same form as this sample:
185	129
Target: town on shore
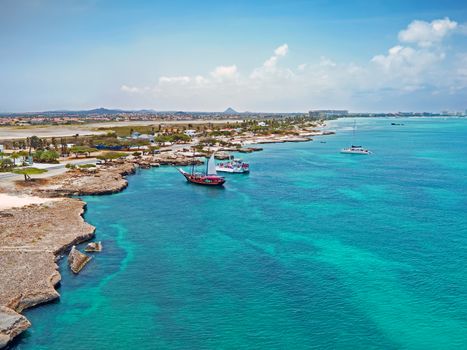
104	115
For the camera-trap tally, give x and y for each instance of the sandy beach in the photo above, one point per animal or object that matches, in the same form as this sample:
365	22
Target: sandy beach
8	201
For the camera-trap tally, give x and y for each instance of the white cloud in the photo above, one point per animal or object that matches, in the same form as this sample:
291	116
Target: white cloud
201	81
415	65
401	58
225	72
426	34
269	66
281	50
326	62
133	89
182	80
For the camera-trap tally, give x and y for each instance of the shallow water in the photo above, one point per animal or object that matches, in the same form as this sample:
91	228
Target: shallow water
312	250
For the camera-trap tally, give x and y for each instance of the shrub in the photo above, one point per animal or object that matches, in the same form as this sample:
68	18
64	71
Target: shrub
109	156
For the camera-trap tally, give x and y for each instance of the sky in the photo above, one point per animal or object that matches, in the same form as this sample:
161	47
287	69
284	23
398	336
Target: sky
259	56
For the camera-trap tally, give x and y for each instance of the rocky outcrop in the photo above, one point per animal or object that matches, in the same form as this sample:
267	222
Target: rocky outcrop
109	178
250	149
93	247
31	278
77	260
221	155
11	324
177	160
242	149
282	139
31	239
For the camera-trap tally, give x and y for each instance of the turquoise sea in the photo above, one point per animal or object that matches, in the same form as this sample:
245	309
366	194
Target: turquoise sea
312	250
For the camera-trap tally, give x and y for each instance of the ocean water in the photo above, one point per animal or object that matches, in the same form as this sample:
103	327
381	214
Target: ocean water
312	250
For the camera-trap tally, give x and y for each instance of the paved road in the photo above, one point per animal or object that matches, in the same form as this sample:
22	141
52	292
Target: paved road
8	176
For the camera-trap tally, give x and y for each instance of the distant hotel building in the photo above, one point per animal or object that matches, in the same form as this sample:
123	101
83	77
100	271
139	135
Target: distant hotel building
327	113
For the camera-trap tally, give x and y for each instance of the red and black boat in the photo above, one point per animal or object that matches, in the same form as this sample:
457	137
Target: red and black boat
210	178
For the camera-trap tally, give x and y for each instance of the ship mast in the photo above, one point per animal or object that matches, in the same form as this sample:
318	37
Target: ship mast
193	162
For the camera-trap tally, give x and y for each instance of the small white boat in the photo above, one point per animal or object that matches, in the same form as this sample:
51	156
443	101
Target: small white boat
234	166
355	150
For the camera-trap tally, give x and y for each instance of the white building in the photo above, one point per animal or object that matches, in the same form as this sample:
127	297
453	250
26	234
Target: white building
190	133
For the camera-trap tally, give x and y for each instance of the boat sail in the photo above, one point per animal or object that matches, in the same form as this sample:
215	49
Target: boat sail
211	168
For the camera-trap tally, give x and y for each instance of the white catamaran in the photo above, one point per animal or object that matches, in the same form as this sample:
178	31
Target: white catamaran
236	166
355	149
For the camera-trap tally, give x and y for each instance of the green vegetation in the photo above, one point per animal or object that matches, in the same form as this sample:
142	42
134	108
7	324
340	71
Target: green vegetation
14	156
221	133
23	154
153	149
125	131
138	143
109	156
6	164
172	138
27	172
86	166
210	141
82	150
45	156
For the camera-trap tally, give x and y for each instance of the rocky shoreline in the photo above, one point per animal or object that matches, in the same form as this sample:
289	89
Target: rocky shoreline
31	241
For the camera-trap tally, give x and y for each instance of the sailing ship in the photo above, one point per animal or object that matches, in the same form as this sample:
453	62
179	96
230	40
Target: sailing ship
209	178
355	149
234	165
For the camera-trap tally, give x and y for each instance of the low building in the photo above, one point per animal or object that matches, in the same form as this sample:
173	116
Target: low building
190	133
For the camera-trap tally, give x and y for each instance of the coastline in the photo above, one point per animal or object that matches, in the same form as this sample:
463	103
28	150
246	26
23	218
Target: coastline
31	242
29	261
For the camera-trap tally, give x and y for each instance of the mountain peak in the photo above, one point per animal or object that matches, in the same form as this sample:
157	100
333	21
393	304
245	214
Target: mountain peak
230	110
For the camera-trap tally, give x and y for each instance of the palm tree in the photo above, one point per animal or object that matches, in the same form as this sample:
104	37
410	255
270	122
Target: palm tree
14	156
24	155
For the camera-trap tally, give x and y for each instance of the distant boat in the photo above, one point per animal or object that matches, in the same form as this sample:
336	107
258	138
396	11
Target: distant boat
355	149
234	166
397	124
209	178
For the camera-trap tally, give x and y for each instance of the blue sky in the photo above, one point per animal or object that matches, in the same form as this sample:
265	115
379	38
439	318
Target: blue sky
251	55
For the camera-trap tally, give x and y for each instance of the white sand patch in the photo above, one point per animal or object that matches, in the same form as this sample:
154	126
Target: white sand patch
8	201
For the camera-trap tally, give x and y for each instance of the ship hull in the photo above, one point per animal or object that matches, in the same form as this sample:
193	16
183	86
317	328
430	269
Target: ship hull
205	180
232	171
355	152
